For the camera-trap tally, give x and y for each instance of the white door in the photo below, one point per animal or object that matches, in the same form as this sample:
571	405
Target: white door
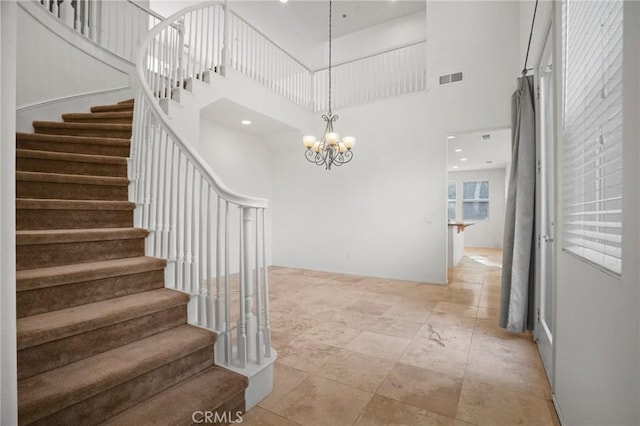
545	207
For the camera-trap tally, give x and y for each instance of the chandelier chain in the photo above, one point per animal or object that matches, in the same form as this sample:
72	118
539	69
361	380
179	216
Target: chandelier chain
329	150
330	2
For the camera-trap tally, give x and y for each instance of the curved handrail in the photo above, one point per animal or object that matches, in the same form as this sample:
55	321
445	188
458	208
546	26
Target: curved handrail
198	162
185	206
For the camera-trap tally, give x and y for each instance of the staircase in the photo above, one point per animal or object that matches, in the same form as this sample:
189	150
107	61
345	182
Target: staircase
100	338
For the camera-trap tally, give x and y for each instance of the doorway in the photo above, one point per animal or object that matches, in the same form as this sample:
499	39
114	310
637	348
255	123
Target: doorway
477	177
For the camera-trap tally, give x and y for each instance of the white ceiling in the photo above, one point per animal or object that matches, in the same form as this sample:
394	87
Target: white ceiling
301	24
478	152
230	114
306	21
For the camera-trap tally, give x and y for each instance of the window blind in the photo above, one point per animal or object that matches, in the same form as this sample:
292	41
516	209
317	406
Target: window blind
592	150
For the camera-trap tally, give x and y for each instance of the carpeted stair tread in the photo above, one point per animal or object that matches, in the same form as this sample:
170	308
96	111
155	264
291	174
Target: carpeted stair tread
64	125
47	393
30	160
114	130
32	279
70	143
52	204
56	236
71	157
77	179
45	213
112	108
121	116
207	391
42	328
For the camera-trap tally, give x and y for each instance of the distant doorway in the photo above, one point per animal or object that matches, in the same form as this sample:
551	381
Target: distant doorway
477	178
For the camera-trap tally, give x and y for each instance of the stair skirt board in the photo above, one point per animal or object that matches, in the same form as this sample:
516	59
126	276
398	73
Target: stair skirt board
100	338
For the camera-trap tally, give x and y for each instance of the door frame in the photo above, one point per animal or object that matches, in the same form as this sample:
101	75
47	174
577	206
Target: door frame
546	347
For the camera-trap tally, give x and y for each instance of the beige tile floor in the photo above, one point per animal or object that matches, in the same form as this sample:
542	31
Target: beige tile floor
368	351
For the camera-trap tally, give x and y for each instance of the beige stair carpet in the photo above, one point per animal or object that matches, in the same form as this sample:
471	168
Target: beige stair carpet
100	338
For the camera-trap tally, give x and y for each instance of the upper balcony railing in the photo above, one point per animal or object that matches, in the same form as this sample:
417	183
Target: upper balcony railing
392	72
256	56
117	26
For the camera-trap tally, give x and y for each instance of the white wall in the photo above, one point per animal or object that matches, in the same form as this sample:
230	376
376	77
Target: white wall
242	160
597	316
374	216
388	35
8	366
543	15
244	163
384	214
484	233
52	67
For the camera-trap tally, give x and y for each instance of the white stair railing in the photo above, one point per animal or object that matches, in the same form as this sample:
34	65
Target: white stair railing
389	73
214	239
258	57
117	26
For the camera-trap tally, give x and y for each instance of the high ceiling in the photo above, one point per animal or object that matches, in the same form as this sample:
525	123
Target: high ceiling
302	24
307	20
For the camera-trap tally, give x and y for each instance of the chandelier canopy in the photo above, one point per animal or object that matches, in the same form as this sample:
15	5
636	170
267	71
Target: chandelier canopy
330	150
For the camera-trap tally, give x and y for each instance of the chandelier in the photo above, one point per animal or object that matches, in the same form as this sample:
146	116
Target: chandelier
330	150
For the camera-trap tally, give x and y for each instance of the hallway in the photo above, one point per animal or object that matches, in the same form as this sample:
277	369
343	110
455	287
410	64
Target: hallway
364	351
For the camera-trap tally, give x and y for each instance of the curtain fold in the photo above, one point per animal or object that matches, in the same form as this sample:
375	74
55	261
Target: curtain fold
518	287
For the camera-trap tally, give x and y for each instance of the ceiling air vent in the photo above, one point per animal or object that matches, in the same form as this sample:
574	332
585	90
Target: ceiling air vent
486	137
451	78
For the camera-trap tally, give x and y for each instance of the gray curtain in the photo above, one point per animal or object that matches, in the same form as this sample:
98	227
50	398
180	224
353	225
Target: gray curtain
517	296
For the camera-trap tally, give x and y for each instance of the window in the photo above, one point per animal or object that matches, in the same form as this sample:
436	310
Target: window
475	200
451	203
592	148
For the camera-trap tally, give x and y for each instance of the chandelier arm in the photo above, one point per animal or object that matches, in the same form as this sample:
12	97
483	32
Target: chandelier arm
345	157
310	156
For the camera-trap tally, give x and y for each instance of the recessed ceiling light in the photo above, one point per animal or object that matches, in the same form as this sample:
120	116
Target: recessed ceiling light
459	150
454	167
245	122
463	159
451	137
283	1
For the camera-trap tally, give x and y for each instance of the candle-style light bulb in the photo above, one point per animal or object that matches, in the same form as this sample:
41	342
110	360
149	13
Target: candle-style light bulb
308	141
349	141
332	138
